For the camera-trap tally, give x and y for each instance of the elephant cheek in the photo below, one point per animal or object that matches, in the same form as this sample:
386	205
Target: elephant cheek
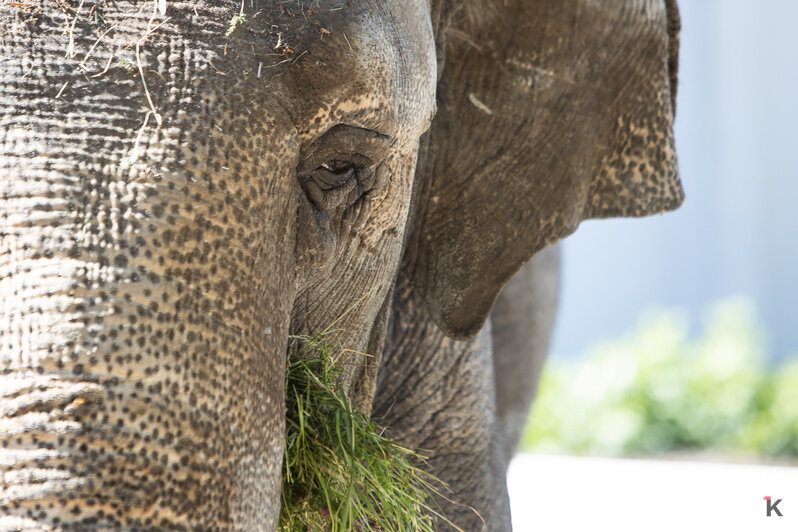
137	393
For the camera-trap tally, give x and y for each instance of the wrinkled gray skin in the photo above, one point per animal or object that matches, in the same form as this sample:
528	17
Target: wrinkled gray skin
485	384
389	164
522	322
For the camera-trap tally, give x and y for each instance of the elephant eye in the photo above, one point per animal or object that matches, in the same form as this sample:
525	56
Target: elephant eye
338	181
334	173
339	168
336	166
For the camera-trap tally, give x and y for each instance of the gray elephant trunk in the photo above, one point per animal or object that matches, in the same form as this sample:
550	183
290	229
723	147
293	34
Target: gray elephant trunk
142	341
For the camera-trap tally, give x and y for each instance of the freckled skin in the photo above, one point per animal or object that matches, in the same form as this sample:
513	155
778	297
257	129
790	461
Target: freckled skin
161	238
150	276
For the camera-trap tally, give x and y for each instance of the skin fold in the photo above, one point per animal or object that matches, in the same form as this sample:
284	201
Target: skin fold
184	185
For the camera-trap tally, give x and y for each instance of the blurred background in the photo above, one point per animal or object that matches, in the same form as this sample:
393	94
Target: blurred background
678	334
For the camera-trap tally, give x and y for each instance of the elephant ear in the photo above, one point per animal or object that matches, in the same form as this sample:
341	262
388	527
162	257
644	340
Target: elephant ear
549	112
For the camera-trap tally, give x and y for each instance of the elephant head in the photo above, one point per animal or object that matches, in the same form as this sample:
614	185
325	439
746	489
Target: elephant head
548	113
184	185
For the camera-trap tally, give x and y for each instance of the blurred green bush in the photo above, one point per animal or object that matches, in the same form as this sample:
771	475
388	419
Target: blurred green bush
659	391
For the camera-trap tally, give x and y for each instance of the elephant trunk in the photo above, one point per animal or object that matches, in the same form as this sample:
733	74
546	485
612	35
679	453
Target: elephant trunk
143	322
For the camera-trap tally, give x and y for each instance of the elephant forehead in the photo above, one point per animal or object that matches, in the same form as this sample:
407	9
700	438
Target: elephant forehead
376	69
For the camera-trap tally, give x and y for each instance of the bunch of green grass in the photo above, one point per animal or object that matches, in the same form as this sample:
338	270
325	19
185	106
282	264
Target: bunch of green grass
340	471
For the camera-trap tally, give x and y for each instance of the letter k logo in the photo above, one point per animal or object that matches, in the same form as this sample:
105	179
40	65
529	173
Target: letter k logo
772	506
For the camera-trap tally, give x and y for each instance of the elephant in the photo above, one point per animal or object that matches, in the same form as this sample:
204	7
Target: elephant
185	185
487	385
